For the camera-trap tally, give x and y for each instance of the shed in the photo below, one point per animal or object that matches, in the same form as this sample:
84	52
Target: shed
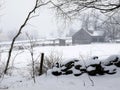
87	37
98	36
60	42
82	37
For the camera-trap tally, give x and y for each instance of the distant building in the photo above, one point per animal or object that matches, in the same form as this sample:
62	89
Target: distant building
98	36
60	42
86	37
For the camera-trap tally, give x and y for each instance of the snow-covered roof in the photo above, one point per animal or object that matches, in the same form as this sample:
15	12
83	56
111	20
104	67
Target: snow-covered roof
92	32
98	33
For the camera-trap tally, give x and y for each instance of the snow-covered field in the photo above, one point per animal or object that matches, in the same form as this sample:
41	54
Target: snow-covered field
70	83
20	78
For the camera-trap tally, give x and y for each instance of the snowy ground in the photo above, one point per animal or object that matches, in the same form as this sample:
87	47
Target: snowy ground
69	83
20	78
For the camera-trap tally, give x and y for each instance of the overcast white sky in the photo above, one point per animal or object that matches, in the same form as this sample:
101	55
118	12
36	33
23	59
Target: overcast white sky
15	11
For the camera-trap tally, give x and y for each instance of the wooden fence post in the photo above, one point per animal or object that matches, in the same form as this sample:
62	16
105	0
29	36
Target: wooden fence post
41	64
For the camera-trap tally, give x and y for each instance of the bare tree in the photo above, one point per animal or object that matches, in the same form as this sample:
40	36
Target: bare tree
60	32
95	19
66	8
71	32
91	21
38	4
32	56
73	7
111	27
85	21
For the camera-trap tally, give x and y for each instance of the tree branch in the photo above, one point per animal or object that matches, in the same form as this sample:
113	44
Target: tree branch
19	32
73	7
37	5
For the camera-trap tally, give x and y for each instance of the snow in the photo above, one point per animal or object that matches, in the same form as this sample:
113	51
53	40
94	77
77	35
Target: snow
63	67
75	71
80	62
111	68
90	68
70	83
98	33
82	51
56	69
89	62
20	78
112	58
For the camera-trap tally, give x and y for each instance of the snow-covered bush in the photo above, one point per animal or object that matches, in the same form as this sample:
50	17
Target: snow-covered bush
50	62
95	69
56	71
110	69
69	67
92	67
10	71
112	60
76	72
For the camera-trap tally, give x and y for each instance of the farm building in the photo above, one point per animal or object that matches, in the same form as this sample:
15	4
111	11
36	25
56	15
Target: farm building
86	37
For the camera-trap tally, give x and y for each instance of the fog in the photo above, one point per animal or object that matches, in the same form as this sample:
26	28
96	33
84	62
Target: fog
44	25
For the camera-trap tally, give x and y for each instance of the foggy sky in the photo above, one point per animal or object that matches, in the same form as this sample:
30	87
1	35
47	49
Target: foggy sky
15	11
45	25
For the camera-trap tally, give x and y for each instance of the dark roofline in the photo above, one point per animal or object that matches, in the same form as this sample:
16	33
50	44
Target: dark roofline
90	33
84	30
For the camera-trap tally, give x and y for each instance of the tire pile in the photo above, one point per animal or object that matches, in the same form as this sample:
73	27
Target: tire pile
92	67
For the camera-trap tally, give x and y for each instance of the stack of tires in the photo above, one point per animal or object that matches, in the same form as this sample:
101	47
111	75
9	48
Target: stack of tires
92	67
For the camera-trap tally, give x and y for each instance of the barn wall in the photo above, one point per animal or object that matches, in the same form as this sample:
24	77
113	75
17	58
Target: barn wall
81	37
98	39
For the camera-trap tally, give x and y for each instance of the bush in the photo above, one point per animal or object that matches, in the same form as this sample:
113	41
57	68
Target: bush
93	67
49	62
112	60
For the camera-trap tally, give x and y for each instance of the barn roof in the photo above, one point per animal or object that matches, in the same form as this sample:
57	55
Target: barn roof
92	33
98	33
78	32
